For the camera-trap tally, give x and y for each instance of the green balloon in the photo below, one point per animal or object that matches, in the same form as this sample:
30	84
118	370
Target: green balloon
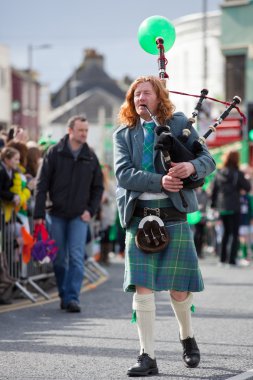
194	217
153	27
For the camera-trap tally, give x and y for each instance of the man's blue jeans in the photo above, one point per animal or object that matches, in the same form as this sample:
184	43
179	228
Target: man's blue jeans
70	236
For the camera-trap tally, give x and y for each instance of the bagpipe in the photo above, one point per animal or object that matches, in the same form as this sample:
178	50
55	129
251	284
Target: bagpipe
157	35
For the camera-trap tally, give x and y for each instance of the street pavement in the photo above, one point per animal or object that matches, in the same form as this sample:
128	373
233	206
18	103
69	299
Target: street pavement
42	342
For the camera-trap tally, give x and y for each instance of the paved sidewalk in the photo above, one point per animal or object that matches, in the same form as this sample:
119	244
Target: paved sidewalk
42	342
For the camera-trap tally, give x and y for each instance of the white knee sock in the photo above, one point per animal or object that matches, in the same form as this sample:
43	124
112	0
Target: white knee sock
144	304
182	312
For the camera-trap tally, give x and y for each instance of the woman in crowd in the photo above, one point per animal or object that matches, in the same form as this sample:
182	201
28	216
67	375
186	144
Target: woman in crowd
9	200
228	183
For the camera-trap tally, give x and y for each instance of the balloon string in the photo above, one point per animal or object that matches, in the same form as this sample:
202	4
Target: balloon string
215	100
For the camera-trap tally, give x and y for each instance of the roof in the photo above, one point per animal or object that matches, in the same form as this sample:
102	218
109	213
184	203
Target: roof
89	103
88	76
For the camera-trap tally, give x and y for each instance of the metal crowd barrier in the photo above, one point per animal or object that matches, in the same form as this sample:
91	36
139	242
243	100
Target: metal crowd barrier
29	274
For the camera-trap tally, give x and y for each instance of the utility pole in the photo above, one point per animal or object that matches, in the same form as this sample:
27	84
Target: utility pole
204	39
31	102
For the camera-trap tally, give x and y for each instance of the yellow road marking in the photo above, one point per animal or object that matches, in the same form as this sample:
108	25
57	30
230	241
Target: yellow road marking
24	304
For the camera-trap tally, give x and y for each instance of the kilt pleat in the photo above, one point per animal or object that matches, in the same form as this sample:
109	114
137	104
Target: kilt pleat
174	268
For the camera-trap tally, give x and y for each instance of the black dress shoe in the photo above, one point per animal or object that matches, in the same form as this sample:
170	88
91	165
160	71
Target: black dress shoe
5	301
144	366
73	307
191	354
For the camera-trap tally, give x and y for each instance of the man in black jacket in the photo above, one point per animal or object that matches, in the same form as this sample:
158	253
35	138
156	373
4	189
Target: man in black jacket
71	175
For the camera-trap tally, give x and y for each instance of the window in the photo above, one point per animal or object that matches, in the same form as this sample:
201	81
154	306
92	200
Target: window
2	77
235	76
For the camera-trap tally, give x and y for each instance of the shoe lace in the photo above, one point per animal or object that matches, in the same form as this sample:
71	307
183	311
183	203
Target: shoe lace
142	357
190	345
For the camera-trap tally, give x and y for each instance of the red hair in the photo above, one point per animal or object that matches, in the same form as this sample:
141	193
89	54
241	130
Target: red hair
231	159
128	115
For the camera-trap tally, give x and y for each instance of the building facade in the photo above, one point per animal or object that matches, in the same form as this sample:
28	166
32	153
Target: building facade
25	100
90	91
195	61
5	88
237	48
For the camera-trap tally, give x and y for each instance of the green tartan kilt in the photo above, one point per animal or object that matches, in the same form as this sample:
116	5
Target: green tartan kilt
174	268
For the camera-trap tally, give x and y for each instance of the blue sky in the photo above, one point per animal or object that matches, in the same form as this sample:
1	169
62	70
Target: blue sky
70	26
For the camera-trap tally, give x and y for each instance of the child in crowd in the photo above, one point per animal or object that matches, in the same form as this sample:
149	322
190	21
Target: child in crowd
8	165
20	182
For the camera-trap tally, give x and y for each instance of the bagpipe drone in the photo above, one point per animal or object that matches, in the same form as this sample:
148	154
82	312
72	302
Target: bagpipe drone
157	35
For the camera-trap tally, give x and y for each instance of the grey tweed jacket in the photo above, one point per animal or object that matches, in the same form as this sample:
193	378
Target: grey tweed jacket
132	181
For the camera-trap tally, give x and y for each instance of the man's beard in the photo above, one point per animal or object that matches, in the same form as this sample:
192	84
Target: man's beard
80	142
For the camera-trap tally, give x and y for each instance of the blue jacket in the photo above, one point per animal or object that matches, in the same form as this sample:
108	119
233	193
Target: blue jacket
132	181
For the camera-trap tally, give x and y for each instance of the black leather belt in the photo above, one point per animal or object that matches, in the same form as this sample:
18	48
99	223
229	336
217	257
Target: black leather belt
165	213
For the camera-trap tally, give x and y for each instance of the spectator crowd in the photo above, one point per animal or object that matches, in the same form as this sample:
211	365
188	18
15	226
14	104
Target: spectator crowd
19	173
223	228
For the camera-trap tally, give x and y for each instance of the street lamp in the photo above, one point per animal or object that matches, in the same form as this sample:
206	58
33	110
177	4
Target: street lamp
31	49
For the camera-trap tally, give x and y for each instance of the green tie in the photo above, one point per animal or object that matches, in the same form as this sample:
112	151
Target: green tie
147	155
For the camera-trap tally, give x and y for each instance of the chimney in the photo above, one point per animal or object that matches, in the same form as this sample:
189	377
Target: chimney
91	57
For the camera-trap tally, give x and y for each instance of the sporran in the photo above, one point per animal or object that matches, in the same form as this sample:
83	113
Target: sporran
151	236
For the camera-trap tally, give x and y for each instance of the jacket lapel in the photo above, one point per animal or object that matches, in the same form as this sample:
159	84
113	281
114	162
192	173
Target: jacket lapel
138	140
138	144
156	152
